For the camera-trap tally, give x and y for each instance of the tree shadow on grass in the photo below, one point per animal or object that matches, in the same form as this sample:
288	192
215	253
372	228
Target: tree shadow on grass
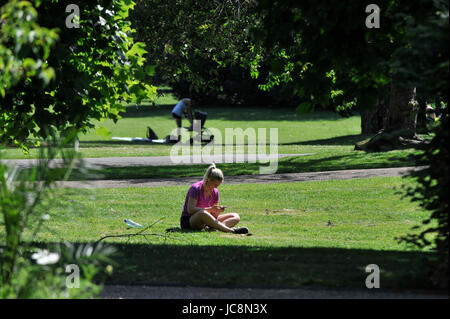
255	266
340	140
244	113
117	143
294	164
343	162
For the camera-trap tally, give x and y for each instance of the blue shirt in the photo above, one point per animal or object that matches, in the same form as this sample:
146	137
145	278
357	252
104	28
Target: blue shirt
179	108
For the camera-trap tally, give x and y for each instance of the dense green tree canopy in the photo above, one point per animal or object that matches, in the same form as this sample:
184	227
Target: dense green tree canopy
203	49
59	78
329	40
423	60
324	36
194	45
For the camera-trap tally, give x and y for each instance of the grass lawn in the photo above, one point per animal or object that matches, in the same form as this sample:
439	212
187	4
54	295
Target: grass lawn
322	133
296	134
292	243
329	138
311	163
316	162
304	233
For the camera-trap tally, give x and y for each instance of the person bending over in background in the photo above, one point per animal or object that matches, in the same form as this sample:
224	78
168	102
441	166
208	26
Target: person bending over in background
183	107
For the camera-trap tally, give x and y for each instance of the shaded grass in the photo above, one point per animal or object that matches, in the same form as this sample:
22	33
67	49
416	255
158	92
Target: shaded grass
316	162
292	128
292	243
243	266
329	137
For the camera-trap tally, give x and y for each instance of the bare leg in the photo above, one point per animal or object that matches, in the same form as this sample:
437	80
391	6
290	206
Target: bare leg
229	219
202	218
178	122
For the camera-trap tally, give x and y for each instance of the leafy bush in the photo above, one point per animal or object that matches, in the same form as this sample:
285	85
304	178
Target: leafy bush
56	78
33	270
46	273
432	194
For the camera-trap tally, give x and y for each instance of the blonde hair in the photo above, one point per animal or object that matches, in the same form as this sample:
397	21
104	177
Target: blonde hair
213	173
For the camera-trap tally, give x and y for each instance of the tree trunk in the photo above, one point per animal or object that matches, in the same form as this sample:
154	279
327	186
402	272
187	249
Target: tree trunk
373	120
422	117
402	112
399	123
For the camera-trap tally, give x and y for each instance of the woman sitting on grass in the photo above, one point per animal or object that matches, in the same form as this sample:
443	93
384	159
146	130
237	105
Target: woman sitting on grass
201	210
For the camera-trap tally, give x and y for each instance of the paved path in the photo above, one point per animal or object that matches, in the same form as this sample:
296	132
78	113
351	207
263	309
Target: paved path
187	160
158	160
184	292
245	179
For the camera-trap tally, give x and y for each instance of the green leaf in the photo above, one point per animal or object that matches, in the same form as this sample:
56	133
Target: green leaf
29	64
305	108
103	132
47	75
150	69
137	49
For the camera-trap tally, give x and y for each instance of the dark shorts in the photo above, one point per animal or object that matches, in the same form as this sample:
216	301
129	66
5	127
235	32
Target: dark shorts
175	116
184	222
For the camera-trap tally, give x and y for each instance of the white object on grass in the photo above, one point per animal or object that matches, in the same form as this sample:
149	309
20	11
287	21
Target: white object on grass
44	257
128	139
131	223
161	141
139	139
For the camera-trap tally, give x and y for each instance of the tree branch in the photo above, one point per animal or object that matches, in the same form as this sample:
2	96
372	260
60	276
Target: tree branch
139	233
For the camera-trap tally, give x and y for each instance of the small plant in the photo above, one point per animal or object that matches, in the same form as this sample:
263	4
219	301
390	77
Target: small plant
33	270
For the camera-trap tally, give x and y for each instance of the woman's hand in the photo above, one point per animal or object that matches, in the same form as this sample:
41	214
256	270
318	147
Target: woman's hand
215	210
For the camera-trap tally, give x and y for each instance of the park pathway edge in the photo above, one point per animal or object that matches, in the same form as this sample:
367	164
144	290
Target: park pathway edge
246	179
